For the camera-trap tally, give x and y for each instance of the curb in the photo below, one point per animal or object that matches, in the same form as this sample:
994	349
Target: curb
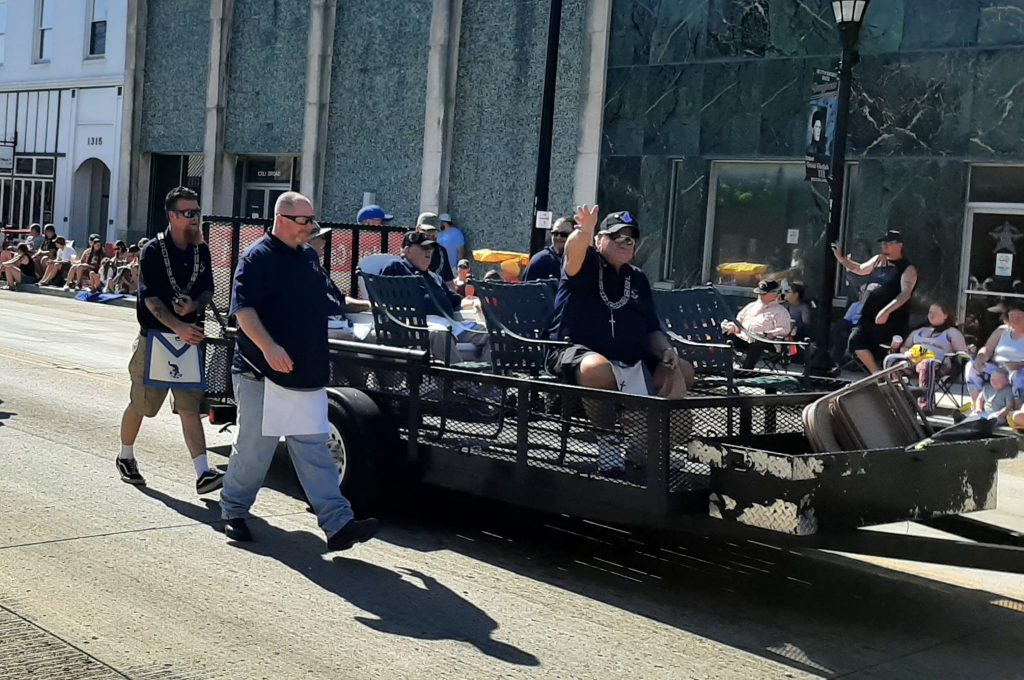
128	302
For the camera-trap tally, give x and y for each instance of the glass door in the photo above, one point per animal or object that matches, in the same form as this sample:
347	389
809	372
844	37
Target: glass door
259	201
993	265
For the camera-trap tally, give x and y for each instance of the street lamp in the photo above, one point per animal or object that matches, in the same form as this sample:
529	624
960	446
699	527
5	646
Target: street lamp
849	14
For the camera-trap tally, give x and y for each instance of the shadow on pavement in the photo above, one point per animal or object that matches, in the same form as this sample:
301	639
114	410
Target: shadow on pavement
406	602
5	415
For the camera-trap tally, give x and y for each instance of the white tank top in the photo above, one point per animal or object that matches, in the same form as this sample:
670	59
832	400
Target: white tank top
1009	349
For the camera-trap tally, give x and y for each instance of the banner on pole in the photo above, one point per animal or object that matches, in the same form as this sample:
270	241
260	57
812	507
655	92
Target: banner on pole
821	125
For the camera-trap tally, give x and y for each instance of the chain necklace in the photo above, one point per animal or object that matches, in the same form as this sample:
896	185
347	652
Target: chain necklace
180	295
627	290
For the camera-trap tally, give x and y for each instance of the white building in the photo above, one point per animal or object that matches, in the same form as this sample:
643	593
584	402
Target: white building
62	70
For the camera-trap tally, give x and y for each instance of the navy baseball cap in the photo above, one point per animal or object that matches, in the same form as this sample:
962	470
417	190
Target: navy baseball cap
373	212
617	221
891	236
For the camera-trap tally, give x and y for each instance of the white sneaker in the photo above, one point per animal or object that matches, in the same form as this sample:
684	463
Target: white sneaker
611	454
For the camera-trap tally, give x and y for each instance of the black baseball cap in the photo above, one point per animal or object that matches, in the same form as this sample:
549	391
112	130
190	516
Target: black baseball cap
893	235
617	221
415	238
768	286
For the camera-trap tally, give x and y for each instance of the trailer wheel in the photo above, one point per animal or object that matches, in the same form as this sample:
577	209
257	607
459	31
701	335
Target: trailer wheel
362	446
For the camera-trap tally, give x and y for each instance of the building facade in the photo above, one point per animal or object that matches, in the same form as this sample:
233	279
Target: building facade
693	114
62	65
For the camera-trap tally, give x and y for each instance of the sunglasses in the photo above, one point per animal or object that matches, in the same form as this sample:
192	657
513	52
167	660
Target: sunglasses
189	214
560	234
628	241
302	220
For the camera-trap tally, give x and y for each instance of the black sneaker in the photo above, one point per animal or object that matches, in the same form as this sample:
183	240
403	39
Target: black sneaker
356	531
237	530
129	469
211	480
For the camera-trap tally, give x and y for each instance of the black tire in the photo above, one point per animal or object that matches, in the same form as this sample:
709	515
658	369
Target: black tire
365	449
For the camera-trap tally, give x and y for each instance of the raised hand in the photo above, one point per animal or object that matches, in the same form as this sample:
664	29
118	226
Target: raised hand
586	216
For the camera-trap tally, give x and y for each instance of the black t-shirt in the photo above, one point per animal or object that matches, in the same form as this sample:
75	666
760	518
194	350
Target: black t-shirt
889	279
153	281
546	264
292	296
583	318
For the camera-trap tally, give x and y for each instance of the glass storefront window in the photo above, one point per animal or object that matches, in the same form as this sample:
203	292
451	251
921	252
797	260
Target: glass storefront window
997	184
767	221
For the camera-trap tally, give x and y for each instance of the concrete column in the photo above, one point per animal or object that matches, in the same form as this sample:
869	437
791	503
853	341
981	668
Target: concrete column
595	49
319	60
132	183
442	74
218	172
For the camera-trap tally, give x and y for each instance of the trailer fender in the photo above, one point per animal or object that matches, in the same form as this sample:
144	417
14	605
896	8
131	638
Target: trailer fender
363	446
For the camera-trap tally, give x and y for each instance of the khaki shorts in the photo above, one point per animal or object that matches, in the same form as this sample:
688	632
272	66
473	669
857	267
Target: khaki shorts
148	400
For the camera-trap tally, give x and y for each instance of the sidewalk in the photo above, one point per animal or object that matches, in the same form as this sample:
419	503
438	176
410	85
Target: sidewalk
53	291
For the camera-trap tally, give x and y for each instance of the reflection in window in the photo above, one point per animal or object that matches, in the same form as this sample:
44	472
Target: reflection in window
98	29
767	221
997	184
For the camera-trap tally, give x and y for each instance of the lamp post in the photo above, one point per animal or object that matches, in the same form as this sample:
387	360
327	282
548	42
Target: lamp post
848	14
547	118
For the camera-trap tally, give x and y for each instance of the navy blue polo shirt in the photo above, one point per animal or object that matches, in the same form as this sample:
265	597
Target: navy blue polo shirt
442	295
582	318
292	296
547	264
153	281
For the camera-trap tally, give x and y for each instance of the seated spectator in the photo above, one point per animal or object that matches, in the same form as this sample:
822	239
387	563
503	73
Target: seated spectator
799	309
605	309
932	350
1004	349
492	275
58	266
109	267
462	277
318	242
126	280
427	224
20	268
81	274
995	400
764	317
373	215
417	250
47	249
547	264
34	240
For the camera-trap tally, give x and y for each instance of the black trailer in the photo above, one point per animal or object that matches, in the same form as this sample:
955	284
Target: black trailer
724	464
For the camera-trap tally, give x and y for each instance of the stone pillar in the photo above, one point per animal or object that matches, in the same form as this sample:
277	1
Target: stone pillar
595	50
319	60
442	74
133	174
218	171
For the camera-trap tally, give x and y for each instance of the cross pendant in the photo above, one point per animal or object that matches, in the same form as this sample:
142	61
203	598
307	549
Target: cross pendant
611	322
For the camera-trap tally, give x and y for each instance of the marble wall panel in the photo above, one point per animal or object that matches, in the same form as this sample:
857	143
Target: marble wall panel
1001	22
940	23
731	113
625	102
912	105
882	30
672	109
688	220
996	126
738	28
569	93
783	108
679	32
378	101
632	28
174	83
266	79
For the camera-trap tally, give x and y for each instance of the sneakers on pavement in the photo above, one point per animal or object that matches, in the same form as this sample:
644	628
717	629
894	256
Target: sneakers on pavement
356	531
129	471
211	480
237	530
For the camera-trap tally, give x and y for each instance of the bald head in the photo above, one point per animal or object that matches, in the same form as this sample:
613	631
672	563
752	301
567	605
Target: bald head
293	219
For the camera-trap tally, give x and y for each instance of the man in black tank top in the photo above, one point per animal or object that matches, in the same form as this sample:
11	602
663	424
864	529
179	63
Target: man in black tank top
886	311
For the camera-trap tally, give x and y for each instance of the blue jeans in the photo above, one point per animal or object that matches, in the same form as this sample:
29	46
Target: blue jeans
252	453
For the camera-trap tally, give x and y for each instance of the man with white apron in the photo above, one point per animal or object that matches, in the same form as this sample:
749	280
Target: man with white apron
281	300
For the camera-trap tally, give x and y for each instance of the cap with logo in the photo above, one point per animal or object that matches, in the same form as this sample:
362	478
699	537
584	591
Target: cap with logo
427	220
891	236
768	286
617	221
415	238
373	212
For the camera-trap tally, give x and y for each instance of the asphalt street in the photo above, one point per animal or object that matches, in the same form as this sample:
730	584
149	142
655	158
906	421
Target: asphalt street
102	580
